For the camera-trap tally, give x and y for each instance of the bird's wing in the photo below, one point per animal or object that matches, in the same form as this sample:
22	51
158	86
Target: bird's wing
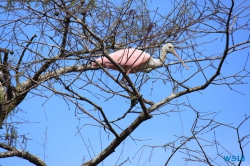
104	61
129	59
132	57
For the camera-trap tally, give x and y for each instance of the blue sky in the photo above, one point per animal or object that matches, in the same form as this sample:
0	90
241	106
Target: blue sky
61	145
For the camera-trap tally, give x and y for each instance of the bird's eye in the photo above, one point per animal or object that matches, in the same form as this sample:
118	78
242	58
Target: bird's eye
170	47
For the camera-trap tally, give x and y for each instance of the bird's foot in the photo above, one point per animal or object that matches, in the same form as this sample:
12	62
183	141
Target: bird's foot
134	100
124	82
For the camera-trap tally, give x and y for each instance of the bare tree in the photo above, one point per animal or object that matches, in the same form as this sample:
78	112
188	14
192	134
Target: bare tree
49	47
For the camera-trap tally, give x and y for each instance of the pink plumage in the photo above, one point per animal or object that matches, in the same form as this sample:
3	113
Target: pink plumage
131	60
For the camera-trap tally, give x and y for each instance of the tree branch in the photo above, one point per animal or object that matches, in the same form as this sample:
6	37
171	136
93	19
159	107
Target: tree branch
13	152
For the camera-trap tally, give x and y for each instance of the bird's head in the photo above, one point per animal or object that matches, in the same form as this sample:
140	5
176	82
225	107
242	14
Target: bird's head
169	48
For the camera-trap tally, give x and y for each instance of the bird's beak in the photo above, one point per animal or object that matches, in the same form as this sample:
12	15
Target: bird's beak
180	59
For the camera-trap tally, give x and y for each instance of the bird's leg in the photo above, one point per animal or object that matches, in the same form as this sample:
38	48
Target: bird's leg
133	98
123	80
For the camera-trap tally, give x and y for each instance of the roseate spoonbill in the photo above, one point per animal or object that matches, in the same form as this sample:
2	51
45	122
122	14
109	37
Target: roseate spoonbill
133	60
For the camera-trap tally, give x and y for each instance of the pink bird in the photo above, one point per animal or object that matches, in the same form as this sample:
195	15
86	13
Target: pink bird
133	60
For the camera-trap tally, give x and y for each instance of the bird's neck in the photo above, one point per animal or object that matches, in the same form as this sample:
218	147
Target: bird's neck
154	63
